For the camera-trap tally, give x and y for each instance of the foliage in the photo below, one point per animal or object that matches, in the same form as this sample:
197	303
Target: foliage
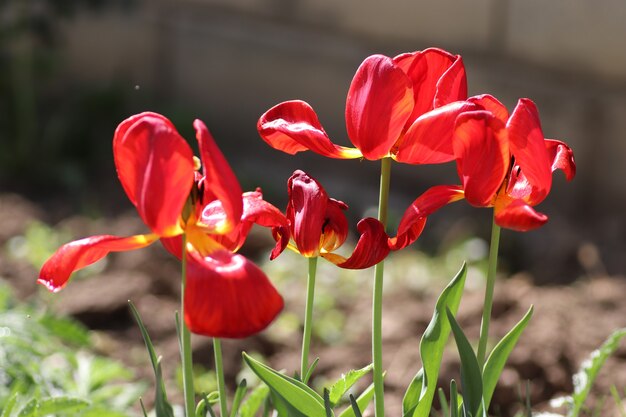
46	367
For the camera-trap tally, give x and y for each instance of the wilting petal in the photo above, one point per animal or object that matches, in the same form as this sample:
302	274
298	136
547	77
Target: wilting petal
492	105
438	78
335	229
293	127
378	106
219	183
562	157
527	144
306	211
519	216
155	166
429	139
55	273
371	248
482	156
226	295
414	218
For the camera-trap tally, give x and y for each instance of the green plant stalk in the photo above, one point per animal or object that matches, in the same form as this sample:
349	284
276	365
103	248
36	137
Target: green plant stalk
185	341
308	317
219	370
488	303
377	302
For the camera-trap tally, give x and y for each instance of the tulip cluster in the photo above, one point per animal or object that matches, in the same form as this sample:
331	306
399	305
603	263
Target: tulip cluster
412	109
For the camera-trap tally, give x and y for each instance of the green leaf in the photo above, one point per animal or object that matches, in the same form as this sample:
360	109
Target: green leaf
471	377
585	377
412	394
239	393
8	407
29	409
65	329
161	405
298	397
60	405
434	341
363	401
254	401
443	402
499	355
454	399
309	372
327	405
339	388
355	406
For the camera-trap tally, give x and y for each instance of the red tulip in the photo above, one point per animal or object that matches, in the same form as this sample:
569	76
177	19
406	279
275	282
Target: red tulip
226	295
319	226
503	162
402	107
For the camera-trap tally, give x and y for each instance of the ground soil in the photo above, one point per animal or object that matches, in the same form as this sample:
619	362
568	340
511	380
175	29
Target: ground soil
569	322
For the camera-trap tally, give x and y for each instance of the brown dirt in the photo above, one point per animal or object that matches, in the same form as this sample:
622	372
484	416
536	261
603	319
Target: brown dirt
569	321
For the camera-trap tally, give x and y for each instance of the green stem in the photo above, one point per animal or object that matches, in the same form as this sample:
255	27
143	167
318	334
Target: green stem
219	370
377	303
308	314
491	280
185	342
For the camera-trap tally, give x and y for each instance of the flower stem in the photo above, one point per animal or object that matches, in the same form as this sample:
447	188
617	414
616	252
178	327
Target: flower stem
308	314
377	303
491	280
219	370
185	341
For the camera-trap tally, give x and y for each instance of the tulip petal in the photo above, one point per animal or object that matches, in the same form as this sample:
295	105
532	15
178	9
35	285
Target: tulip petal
228	296
414	218
562	158
219	182
482	156
293	127
371	248
438	78
155	166
306	211
519	216
429	139
492	105
528	146
379	104
56	272
335	228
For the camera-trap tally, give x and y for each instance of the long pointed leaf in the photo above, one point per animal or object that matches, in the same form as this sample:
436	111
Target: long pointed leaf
434	340
239	394
363	401
499	355
254	401
412	394
293	392
339	388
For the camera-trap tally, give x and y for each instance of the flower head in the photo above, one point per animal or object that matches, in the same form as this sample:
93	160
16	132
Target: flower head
402	107
226	294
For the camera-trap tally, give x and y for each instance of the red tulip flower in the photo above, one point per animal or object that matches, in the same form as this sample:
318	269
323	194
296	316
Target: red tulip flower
503	162
319	226
226	295
402	107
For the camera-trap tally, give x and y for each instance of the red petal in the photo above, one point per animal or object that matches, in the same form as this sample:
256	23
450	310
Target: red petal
306	211
293	127
482	156
55	273
414	217
492	105
529	148
438	78
429	139
379	103
155	166
219	182
226	295
371	248
335	229
519	216
562	158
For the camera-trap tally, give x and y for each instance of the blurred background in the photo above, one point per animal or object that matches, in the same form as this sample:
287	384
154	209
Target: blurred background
72	70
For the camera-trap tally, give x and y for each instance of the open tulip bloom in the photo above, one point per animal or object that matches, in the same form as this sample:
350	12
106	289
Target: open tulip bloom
503	162
226	295
402	107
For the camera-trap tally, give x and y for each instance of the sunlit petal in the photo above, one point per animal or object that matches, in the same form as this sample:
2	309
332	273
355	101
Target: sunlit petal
519	216
155	166
492	105
55	273
228	296
562	158
371	248
335	228
293	127
379	104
